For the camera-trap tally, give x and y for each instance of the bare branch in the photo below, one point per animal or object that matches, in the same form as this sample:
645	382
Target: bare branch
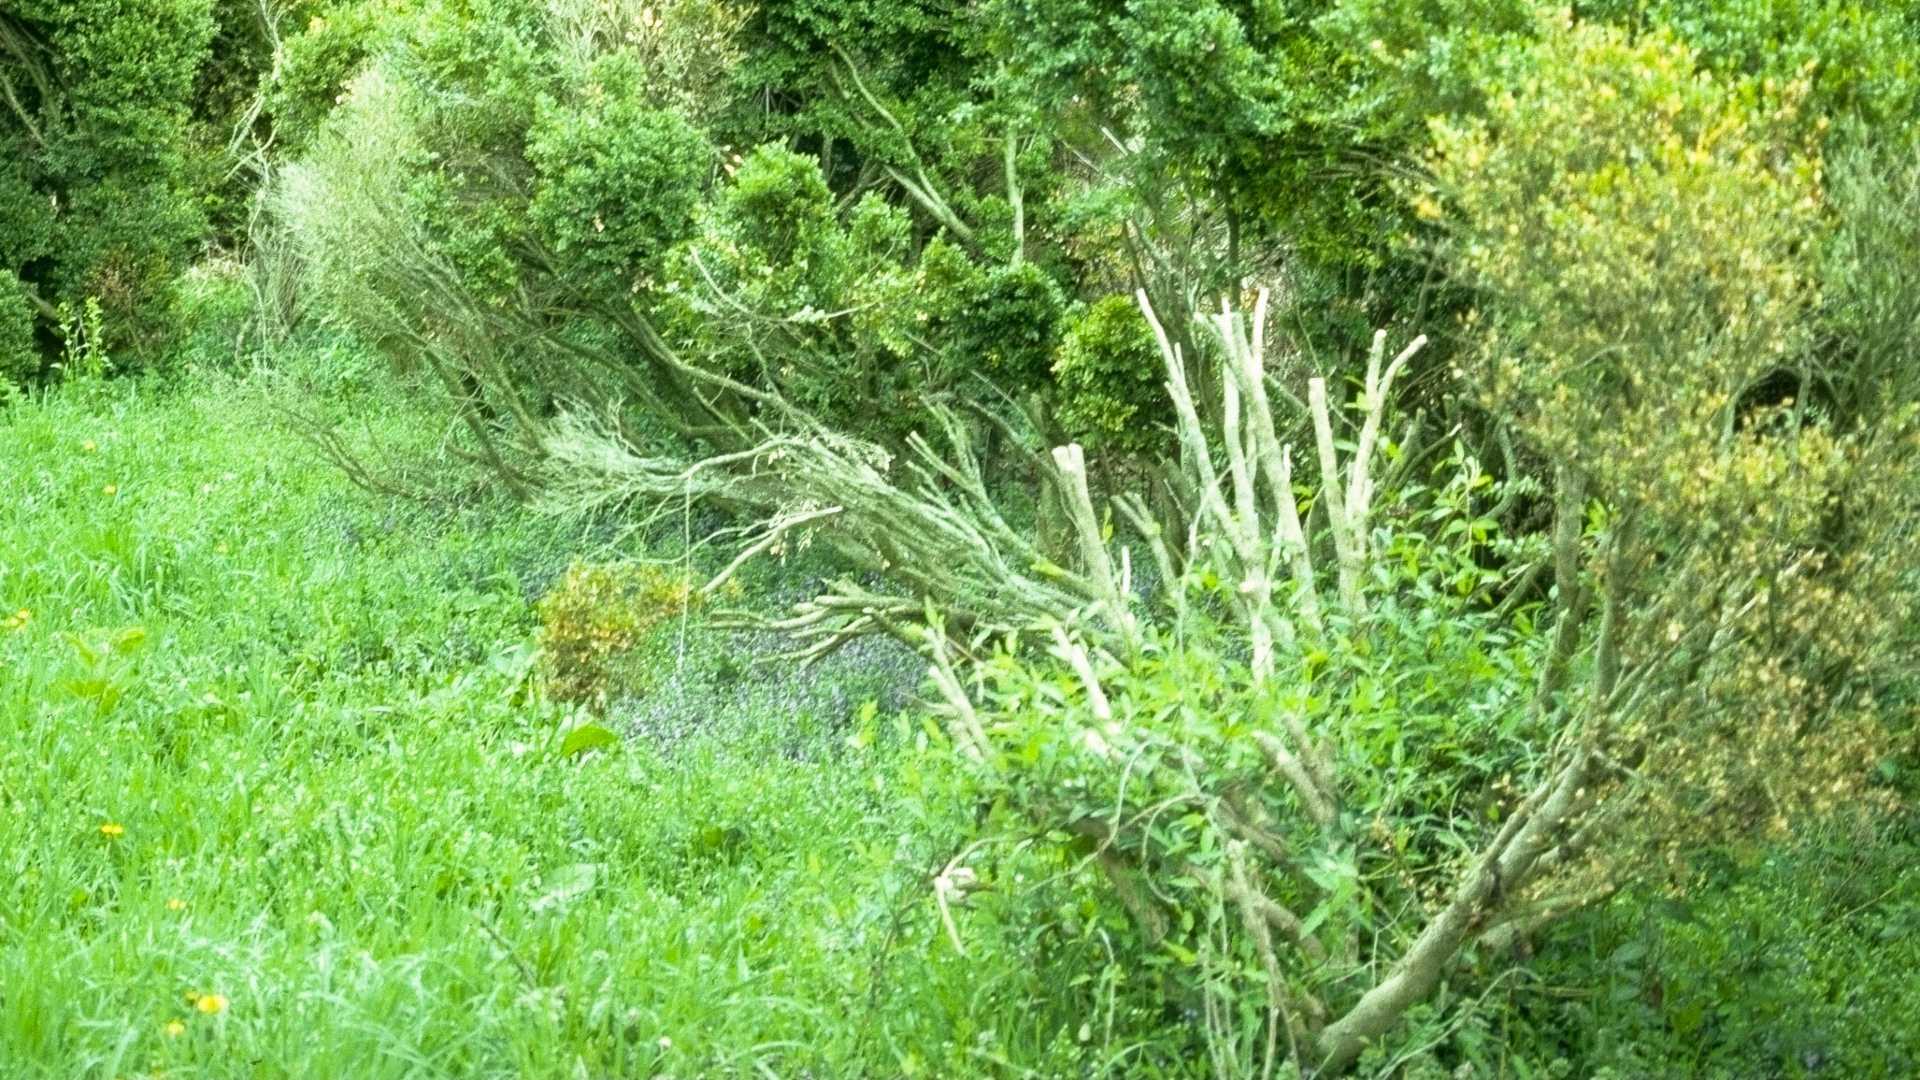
920	186
1569	521
1317	802
1505	858
1257	921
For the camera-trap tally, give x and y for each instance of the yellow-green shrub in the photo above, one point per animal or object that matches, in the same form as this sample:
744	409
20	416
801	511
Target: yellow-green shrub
1638	230
597	614
1643	235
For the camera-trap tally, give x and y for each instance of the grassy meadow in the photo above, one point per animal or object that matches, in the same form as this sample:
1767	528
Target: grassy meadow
1338	538
280	797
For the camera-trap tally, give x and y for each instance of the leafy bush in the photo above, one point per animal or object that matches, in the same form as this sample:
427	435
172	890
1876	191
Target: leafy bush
1869	316
1313	799
596	615
1240	139
615	183
936	208
1158	772
214	306
1643	234
320	59
230	134
19	353
1308	829
1784	960
97	198
1861	55
1010	326
778	291
779	205
1638	230
570	237
543	183
1108	371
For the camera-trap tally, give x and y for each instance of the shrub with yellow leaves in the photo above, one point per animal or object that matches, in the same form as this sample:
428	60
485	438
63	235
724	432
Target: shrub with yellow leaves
1644	237
1639	233
598	613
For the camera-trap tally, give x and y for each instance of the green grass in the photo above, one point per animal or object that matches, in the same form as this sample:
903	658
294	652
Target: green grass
267	737
1794	961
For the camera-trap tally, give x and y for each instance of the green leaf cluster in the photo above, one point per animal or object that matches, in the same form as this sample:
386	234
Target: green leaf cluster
1637	229
18	351
96	198
1108	370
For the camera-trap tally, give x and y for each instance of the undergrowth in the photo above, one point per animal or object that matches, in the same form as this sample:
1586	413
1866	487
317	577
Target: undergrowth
281	796
284	792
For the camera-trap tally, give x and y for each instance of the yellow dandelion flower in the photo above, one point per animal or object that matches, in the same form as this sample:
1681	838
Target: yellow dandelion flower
176	904
110	490
112	830
174	1029
211	1003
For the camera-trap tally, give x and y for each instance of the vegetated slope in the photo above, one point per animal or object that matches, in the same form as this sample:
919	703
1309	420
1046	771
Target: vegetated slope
278	799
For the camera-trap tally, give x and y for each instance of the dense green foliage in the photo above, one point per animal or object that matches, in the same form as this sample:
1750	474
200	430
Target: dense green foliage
96	200
938	208
346	824
1201	688
17	347
275	740
1108	365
